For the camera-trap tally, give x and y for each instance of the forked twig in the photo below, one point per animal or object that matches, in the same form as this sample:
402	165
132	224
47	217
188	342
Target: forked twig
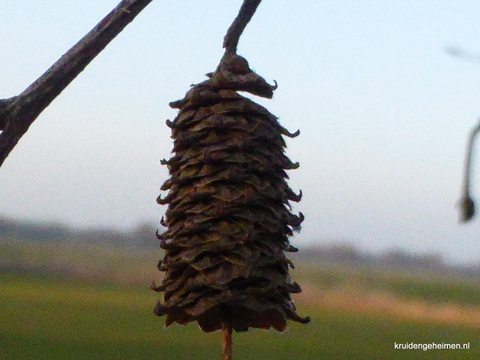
19	112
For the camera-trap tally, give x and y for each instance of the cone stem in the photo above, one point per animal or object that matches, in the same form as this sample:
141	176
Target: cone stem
227	341
230	41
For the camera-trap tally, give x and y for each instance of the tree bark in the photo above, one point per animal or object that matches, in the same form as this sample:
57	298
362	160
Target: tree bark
19	112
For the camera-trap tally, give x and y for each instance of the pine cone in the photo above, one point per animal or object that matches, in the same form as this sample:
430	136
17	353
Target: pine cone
228	212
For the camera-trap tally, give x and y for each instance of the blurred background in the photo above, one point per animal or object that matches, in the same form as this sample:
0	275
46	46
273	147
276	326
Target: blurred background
384	94
72	293
383	108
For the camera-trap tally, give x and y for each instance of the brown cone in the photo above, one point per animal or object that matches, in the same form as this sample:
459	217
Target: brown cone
228	218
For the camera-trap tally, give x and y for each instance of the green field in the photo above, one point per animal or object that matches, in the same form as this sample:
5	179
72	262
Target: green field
51	318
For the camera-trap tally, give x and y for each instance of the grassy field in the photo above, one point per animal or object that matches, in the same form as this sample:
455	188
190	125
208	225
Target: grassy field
52	318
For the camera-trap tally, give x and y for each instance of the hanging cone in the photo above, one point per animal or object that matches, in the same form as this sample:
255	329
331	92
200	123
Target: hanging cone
228	215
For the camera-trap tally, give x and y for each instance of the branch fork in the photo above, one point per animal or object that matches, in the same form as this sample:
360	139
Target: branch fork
19	112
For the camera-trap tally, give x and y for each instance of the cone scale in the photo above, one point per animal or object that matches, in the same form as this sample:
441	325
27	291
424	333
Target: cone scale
228	218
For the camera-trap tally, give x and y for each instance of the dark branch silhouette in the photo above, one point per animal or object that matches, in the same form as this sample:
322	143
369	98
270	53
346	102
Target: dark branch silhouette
467	205
19	112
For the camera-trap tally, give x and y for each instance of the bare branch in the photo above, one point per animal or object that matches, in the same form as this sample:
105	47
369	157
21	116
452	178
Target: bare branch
19	112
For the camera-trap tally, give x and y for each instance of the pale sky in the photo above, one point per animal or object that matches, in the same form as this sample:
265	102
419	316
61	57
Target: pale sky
384	112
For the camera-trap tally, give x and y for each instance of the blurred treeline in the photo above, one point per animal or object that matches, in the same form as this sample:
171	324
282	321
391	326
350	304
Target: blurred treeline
50	243
142	236
346	254
92	254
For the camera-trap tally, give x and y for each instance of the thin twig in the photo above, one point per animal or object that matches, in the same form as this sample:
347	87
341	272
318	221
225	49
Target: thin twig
227	342
230	41
19	112
467	205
